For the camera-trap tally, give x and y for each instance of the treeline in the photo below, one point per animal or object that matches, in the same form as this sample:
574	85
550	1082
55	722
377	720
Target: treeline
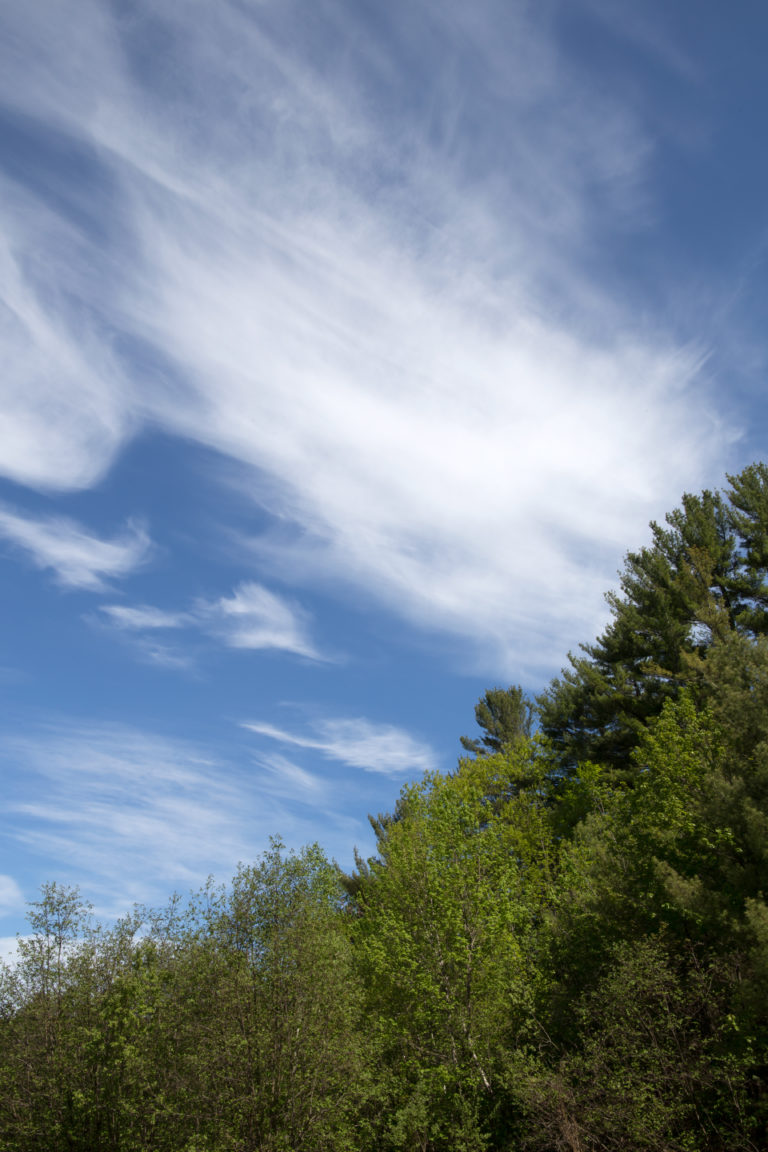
562	945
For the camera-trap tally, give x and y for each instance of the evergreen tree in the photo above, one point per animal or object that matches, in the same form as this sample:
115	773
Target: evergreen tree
659	933
505	717
704	576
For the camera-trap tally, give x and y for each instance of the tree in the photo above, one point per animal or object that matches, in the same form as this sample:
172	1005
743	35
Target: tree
704	576
37	1046
505	717
230	1025
278	1061
659	933
448	915
648	1070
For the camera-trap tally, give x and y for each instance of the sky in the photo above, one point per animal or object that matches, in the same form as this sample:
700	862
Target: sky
345	350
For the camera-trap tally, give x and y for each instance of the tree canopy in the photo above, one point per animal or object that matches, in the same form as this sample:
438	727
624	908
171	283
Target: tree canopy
559	946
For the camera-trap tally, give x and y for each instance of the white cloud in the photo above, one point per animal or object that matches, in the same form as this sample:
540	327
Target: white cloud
9	950
251	618
115	794
165	657
391	314
11	897
79	559
143	617
64	407
254	617
130	816
141	624
288	779
357	743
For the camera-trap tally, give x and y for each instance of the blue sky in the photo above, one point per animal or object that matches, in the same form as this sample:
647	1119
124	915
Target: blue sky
346	349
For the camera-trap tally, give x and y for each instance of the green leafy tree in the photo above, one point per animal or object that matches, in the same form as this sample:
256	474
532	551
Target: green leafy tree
37	1046
444	939
279	1059
231	1025
650	1068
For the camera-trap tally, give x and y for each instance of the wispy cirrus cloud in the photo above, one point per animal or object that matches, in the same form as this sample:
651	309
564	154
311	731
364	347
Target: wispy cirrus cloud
117	799
131	815
76	557
377	288
290	780
11	897
65	407
251	618
254	617
357	743
144	618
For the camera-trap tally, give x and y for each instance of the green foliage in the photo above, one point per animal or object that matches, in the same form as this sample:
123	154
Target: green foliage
505	716
286	1035
446	948
702	578
668	876
649	1070
231	1024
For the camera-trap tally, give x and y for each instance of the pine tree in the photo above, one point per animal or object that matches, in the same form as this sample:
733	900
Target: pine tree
505	717
703	577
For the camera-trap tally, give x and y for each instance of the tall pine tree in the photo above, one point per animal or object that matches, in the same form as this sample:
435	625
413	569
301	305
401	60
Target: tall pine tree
704	576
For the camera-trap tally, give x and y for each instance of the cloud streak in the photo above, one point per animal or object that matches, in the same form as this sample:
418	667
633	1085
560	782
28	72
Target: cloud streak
131	815
144	618
358	743
376	288
291	781
78	558
252	618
